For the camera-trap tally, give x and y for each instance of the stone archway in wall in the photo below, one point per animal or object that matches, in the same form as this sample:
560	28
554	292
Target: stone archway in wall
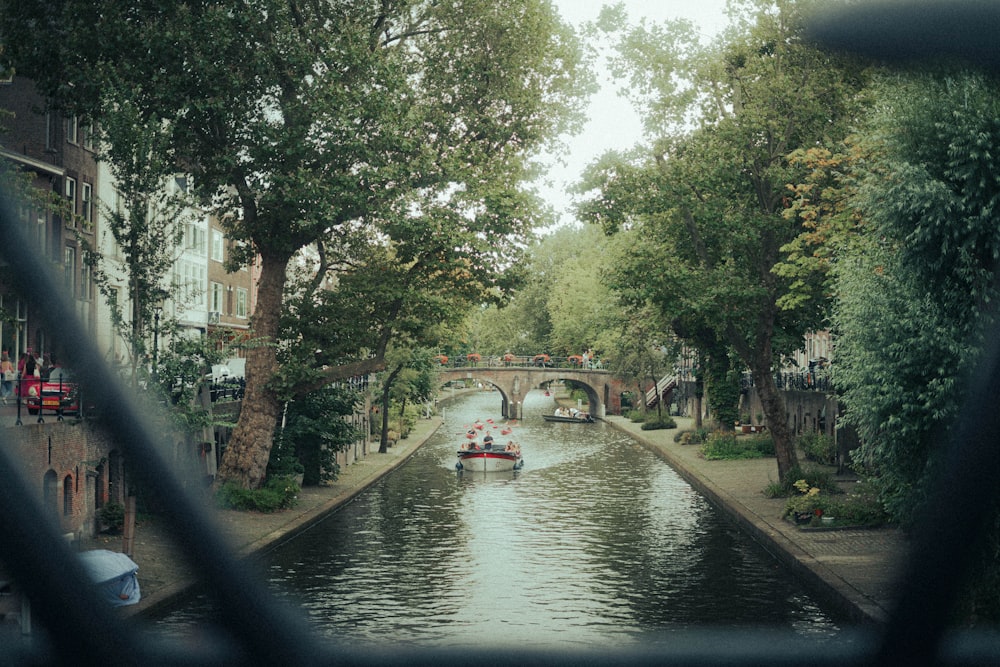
505	405
50	492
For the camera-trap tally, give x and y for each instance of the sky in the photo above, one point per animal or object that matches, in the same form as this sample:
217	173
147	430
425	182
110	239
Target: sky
611	122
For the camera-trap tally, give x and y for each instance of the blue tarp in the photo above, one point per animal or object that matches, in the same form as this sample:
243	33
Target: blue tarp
114	575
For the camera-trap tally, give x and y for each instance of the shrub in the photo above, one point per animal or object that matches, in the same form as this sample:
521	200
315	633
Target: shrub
278	493
635	416
692	436
813	477
858	508
656	424
818	447
112	515
726	446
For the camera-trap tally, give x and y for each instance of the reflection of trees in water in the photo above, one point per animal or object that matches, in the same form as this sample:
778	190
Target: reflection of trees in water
600	539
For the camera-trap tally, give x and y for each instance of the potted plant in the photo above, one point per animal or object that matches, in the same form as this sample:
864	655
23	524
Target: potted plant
808	506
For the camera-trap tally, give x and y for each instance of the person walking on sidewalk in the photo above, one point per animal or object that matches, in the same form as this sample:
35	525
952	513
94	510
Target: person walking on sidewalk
7	376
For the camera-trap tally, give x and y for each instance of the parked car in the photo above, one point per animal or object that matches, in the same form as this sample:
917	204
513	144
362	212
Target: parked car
56	393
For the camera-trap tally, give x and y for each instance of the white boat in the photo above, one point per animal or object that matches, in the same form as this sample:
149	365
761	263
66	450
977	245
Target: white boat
478	459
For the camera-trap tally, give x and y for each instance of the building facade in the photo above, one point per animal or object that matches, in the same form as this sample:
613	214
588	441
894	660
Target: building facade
57	152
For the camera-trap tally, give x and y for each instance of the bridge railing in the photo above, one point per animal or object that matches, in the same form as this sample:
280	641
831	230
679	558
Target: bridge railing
521	361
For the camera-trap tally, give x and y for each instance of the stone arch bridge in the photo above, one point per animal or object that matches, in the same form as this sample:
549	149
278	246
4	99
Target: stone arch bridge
602	388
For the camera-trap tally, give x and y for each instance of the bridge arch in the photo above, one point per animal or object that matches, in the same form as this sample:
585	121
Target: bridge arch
602	388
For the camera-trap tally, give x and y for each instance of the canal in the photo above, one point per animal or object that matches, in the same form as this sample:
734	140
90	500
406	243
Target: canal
595	543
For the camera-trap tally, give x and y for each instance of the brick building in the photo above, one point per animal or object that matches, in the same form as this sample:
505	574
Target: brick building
58	153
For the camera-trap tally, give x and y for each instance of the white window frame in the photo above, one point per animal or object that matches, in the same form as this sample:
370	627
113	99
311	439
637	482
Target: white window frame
72	129
242	302
69	269
194	238
218	253
215	303
70	191
87	204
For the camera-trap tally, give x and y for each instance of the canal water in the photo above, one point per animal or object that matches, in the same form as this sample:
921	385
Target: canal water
595	543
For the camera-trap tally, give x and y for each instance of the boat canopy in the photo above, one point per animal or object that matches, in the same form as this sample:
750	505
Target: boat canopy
114	574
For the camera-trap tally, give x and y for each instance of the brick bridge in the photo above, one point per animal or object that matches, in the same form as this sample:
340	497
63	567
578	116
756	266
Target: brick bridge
602	388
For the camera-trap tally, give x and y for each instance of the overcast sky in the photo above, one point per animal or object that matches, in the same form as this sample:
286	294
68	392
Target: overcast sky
612	123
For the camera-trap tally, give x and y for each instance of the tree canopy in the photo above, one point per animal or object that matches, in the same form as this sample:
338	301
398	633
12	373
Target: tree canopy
707	196
405	126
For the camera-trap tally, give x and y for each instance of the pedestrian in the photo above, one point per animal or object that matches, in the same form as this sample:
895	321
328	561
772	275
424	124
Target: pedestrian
30	366
46	368
7	376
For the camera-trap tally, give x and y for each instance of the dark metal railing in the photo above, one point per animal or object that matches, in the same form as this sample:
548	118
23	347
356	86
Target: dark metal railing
523	361
820	379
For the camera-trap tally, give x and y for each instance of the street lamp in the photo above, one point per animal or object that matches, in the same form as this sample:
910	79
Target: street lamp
156	338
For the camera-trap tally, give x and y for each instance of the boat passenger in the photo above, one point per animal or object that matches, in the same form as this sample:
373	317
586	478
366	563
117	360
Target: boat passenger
488	441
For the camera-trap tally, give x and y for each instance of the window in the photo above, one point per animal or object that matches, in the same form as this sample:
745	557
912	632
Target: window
71	196
215	302
241	302
72	130
194	238
87	136
191	281
69	269
86	204
67	496
50	131
217	242
86	278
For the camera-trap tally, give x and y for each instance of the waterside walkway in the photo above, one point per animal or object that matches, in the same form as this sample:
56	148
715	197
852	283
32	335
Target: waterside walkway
852	569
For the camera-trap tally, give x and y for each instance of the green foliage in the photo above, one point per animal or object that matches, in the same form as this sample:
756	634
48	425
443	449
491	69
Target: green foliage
315	430
727	446
810	475
655	423
635	416
915	290
278	493
712	231
692	436
391	140
181	373
112	515
818	447
722	375
858	508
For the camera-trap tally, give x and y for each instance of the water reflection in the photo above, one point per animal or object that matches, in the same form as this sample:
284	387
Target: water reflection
595	542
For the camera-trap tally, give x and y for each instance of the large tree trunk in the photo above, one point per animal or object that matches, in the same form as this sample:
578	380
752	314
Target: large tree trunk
777	421
699	393
383	447
245	459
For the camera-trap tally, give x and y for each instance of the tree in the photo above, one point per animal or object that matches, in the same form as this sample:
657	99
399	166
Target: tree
315	429
708	198
147	226
317	121
917	292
